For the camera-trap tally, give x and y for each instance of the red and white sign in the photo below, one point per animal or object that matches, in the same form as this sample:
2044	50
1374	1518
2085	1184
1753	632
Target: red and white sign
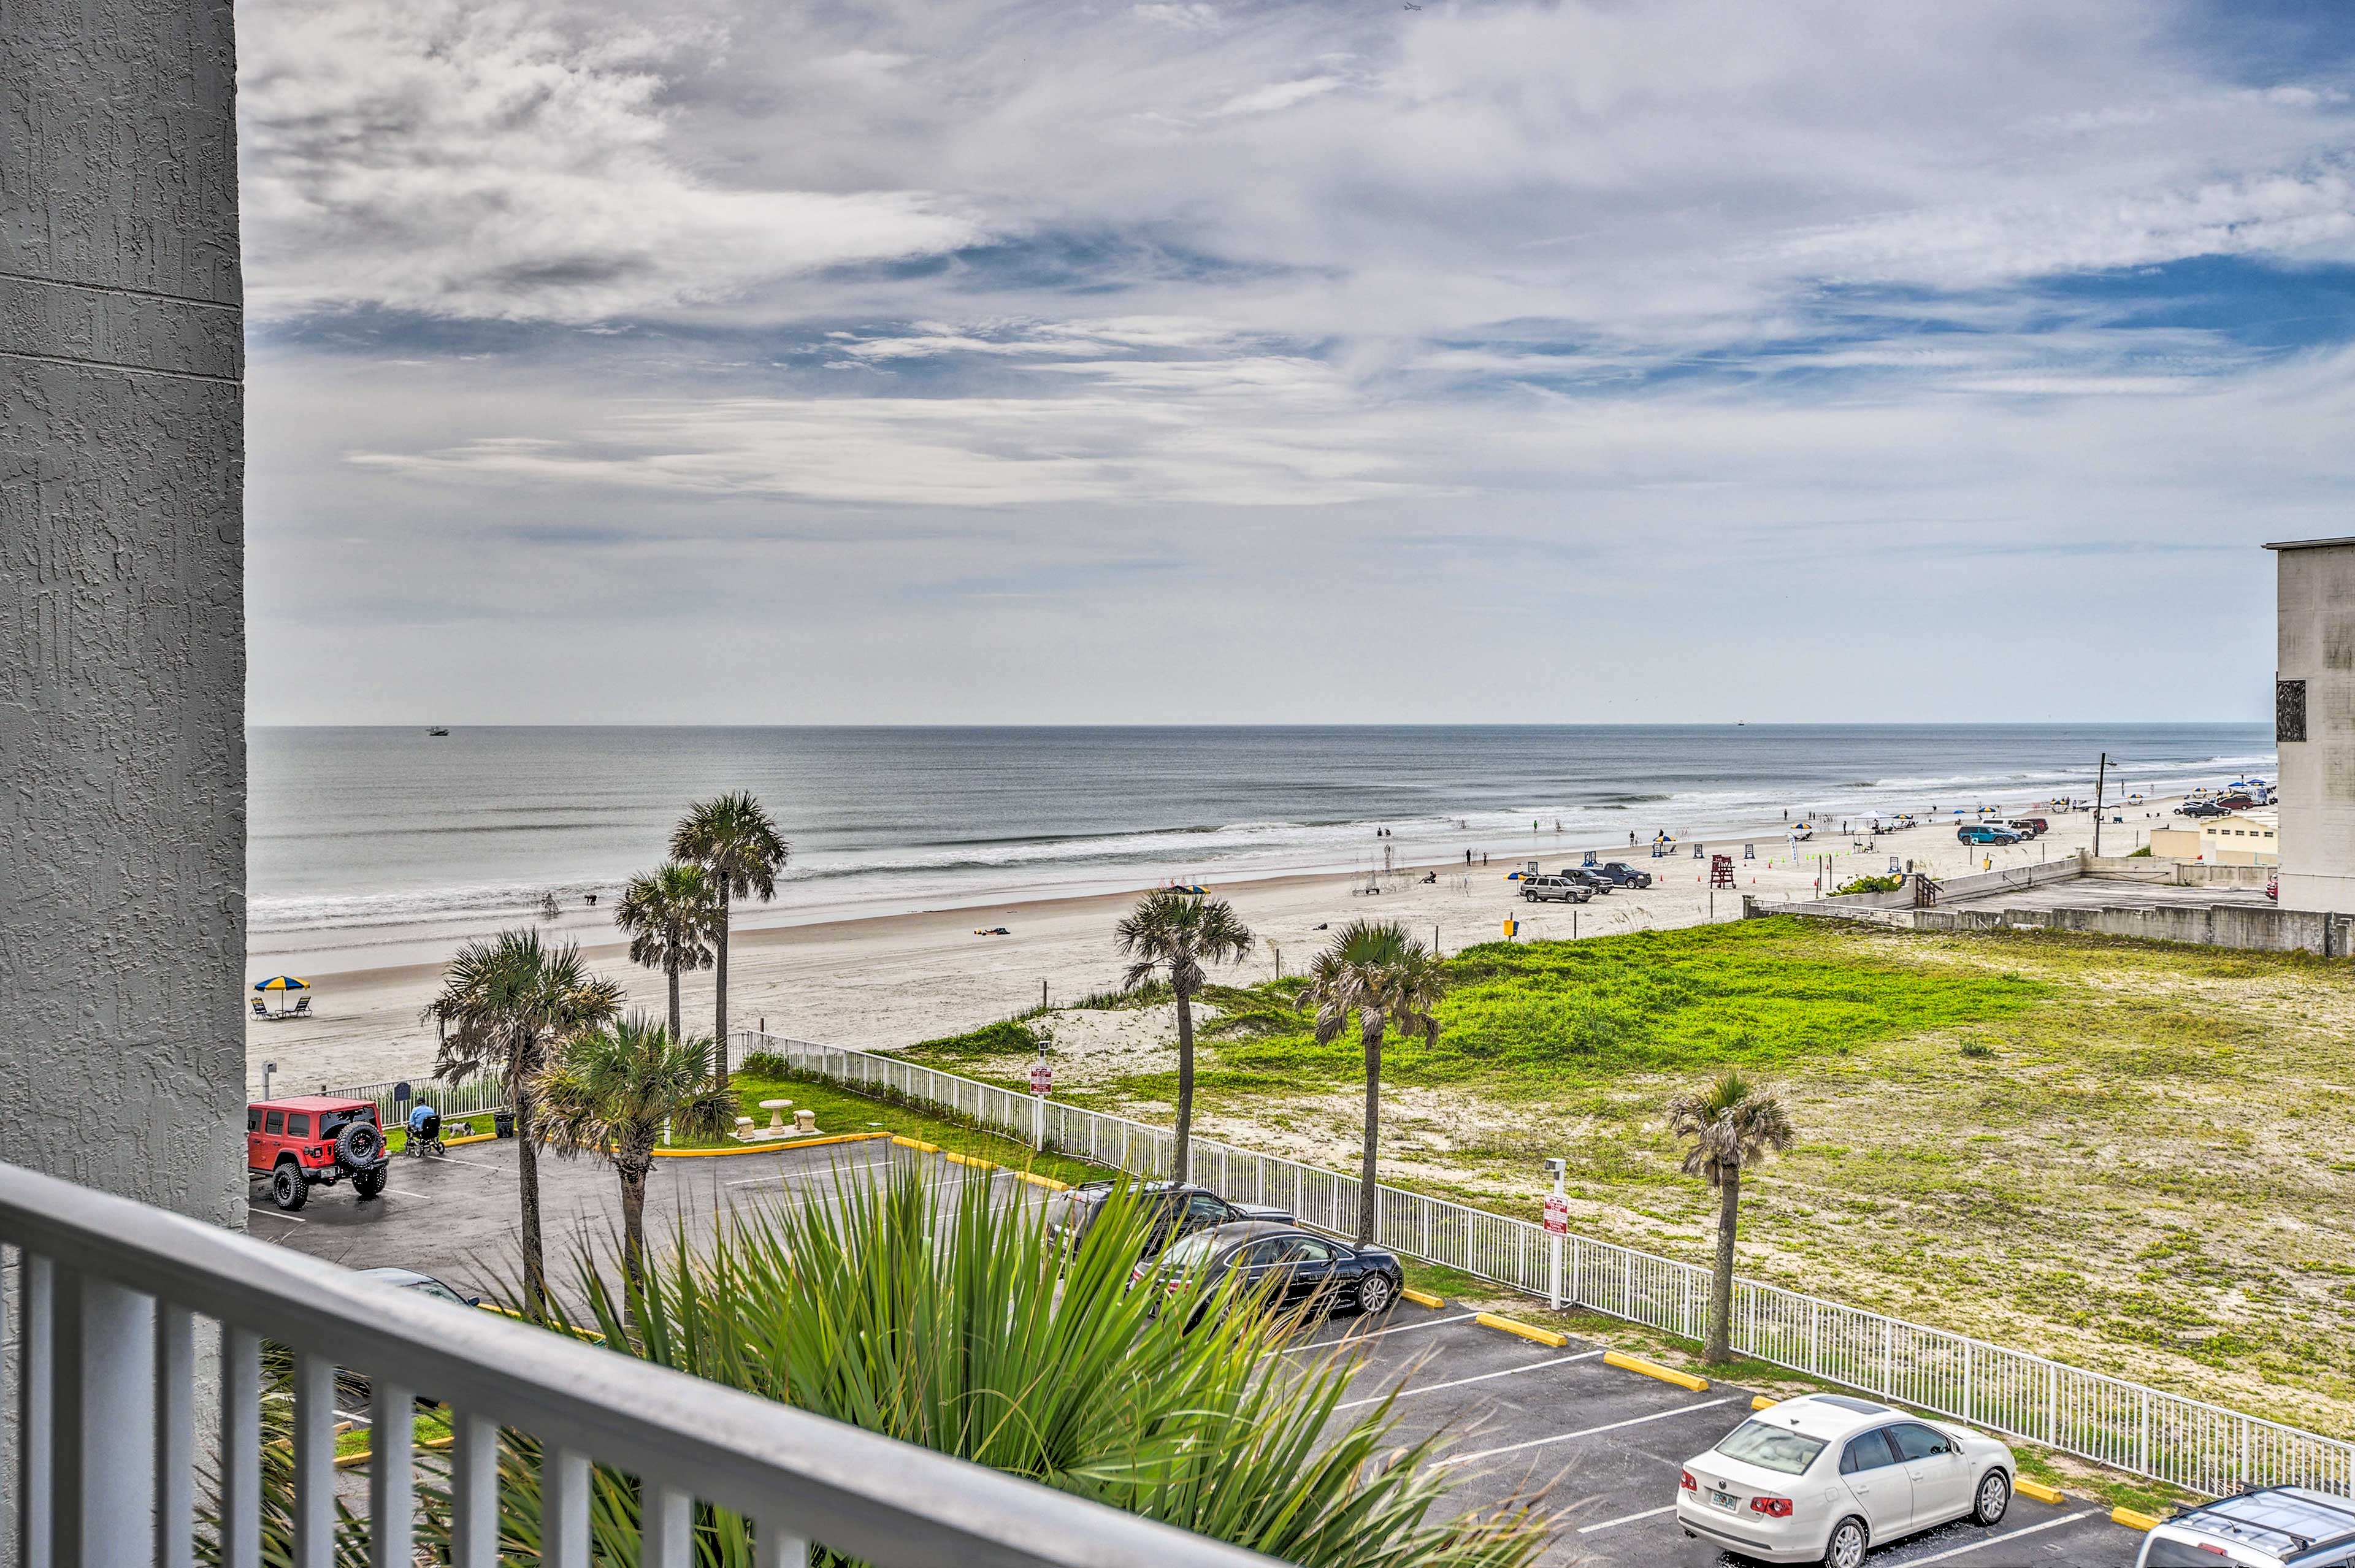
1557	1215
1042	1078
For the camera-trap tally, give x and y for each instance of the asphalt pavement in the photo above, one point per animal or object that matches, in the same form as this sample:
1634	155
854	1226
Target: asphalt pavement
1604	1443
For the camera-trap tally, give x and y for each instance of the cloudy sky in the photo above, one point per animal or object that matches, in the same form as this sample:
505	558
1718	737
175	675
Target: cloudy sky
1199	360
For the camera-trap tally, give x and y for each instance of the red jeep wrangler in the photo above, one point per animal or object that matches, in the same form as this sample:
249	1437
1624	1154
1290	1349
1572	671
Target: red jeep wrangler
313	1140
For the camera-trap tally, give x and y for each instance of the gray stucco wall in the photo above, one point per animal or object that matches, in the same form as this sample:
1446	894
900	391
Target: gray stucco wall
122	620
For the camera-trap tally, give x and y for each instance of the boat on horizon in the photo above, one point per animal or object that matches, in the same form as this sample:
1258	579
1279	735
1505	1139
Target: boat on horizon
438	730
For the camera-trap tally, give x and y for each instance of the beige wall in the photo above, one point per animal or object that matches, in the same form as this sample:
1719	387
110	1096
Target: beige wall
2174	844
2315	644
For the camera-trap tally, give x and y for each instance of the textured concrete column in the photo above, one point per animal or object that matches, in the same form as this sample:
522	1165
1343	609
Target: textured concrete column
122	617
122	611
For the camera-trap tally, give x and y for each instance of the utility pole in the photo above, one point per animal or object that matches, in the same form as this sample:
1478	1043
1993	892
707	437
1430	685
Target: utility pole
2101	779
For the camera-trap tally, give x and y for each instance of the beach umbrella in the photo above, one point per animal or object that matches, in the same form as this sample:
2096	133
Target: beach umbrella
282	983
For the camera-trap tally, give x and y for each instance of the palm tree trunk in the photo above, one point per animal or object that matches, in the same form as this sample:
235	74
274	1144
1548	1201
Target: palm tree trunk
1720	1345
634	1225
535	1271
1365	1190
677	1022
1185	1087
720	975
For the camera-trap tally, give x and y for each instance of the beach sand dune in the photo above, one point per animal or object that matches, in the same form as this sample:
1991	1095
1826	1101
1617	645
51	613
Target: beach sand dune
887	982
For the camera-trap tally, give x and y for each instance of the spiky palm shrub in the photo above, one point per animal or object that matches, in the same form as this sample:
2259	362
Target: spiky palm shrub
733	837
1175	934
947	1329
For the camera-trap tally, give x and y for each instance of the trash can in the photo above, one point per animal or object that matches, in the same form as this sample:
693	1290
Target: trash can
502	1123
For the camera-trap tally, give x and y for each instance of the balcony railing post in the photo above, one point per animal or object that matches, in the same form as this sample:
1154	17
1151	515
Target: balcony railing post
176	1437
35	1386
392	1475
240	1454
314	1462
103	1410
475	1491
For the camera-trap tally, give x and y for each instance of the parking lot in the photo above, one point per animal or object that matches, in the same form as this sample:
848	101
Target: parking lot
1607	1442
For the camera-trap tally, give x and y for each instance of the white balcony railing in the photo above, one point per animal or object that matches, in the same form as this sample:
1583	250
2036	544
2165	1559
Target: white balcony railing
102	1393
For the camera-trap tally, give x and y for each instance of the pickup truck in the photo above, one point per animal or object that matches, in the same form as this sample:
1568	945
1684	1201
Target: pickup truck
1589	878
1555	889
1625	875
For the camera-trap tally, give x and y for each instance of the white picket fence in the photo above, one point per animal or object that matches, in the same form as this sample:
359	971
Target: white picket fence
477	1094
2126	1425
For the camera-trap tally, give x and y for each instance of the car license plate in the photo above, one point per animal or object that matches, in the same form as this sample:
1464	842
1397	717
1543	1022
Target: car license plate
1726	1500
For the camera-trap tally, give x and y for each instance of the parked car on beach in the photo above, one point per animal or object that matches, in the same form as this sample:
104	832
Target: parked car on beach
1590	878
2272	1527
2203	808
1987	833
1555	889
1825	1477
2029	827
1625	875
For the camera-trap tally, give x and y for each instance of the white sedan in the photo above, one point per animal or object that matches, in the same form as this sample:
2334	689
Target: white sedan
1825	1477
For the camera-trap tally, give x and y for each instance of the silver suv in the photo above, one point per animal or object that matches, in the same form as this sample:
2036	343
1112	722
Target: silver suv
1558	889
2272	1528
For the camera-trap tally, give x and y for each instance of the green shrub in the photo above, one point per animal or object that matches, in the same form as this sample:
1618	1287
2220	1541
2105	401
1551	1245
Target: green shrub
1007	1037
1887	884
763	1064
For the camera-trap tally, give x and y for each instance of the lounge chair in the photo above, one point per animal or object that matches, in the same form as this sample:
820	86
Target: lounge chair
261	1009
302	1008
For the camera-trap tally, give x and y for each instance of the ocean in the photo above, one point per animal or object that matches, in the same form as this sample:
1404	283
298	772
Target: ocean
378	846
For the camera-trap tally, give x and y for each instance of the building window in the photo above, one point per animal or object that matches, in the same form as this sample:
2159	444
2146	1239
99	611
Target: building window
2289	710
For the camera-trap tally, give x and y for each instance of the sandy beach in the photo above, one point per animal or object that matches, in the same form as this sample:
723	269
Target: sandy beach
887	982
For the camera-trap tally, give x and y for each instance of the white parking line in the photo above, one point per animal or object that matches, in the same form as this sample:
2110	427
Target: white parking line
275	1214
1482	1378
459	1159
1627	1518
775	1175
1587	1432
1354	1339
2007	1535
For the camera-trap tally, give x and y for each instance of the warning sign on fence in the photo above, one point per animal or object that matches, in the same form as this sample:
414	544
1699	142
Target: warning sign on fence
1042	1078
1557	1215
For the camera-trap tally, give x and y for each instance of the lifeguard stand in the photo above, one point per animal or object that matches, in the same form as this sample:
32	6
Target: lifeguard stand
1721	870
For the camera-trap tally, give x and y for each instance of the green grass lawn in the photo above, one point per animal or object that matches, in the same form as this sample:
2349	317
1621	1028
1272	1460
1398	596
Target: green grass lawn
2129	1155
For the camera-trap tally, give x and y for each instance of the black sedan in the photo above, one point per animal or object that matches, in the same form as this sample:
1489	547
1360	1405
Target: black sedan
1293	1265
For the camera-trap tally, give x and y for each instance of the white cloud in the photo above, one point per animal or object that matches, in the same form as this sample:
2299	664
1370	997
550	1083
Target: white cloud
508	161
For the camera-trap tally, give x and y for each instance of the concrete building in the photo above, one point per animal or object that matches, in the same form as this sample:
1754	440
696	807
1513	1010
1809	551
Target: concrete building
2242	838
2314	722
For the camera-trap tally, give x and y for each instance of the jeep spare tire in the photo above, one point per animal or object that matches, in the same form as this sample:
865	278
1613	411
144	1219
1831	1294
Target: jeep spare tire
358	1143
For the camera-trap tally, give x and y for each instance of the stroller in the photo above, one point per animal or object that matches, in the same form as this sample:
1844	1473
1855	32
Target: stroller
425	1132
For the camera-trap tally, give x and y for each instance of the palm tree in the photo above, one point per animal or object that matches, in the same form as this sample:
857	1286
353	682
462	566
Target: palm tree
502	1003
670	916
610	1090
1180	933
1733	1126
733	837
1390	981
